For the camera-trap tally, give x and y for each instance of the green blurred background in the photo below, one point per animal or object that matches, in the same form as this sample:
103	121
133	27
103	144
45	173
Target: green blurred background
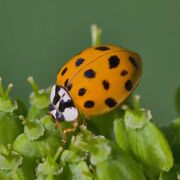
38	36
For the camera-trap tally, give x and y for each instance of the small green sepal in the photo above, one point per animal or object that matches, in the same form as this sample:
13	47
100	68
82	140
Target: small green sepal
7	105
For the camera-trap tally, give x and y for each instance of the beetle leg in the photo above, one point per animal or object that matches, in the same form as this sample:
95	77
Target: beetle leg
75	124
58	124
86	118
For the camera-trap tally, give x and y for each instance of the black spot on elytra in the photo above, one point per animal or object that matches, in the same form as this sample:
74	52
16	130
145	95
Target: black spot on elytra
69	86
66	82
102	48
124	73
89	104
128	85
63	105
56	99
105	84
81	91
79	61
110	102
133	61
113	62
63	71
89	73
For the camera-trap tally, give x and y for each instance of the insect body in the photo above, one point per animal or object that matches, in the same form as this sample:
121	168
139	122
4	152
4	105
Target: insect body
95	81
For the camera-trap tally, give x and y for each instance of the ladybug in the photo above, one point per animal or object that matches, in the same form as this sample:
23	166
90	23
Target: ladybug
94	82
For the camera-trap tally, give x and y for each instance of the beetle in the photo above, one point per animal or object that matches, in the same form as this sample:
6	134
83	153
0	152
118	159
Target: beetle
94	82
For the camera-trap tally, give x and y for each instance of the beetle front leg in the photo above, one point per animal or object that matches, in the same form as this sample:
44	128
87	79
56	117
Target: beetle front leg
65	131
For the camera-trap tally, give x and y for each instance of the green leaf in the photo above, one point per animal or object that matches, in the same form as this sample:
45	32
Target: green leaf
28	167
33	129
80	171
10	127
40	100
174	129
97	146
36	113
13	175
147	142
118	169
9	159
71	157
31	149
4	164
121	134
50	167
49	125
136	119
37	148
8	106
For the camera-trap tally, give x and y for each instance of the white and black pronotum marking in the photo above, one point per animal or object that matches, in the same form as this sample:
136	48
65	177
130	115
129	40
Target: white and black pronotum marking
62	107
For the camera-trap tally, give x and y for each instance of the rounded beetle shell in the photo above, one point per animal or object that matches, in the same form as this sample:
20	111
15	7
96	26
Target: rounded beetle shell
100	78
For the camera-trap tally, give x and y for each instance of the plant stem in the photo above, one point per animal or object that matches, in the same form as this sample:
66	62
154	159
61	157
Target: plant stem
1	87
33	84
6	93
137	103
95	35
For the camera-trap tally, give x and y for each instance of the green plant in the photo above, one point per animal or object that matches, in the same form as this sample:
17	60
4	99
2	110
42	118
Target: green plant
123	144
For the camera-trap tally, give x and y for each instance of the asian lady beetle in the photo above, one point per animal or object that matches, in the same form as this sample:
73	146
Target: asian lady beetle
95	81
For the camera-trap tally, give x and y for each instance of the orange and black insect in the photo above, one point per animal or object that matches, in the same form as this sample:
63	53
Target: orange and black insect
95	81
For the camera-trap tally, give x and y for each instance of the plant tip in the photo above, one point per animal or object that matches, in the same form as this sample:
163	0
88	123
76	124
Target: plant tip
41	91
33	84
137	97
83	127
124	107
149	114
30	79
21	117
7	91
137	102
10	85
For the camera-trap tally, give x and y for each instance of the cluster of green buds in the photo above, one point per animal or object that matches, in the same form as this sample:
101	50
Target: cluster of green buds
140	138
31	146
29	135
10	126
